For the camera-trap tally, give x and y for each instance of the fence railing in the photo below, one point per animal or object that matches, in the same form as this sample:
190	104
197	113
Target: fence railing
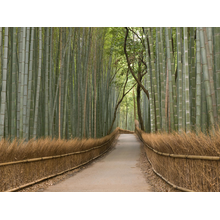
16	175
184	172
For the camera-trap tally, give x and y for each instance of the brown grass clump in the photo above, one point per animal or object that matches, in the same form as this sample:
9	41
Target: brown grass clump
14	175
200	173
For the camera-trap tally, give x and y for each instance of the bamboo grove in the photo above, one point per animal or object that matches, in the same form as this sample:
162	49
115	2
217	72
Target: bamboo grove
56	82
83	82
183	78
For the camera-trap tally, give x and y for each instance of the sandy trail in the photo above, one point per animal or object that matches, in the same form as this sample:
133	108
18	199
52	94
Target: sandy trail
116	172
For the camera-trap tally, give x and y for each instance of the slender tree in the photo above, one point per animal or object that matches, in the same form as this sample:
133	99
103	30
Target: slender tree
171	105
186	73
22	81
217	66
206	78
25	84
198	83
14	99
4	81
38	84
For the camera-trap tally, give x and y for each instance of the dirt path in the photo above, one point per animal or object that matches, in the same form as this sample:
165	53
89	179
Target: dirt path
117	172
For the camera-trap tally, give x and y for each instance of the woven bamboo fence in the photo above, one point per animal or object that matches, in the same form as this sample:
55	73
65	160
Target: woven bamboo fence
22	165
173	158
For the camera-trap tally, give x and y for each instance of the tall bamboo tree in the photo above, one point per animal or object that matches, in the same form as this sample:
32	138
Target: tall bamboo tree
38	84
25	84
206	78
154	81
13	100
4	81
217	67
169	64
210	71
198	83
180	87
186	73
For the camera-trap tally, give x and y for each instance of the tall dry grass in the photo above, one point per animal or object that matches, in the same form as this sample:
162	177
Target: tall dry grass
193	174
15	175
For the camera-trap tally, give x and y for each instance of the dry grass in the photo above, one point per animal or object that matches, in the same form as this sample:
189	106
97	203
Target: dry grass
15	175
196	175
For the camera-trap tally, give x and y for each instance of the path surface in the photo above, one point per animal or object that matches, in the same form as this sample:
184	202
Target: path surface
116	172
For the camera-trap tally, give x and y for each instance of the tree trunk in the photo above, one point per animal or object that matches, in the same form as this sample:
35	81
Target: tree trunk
38	84
4	81
139	98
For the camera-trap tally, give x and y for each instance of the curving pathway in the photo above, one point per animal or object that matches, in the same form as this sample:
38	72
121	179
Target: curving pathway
116	172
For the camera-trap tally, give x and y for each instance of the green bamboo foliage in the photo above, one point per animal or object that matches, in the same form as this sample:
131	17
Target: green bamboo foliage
31	97
63	82
38	62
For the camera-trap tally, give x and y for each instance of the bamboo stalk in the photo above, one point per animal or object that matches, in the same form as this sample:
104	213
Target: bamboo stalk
210	71
186	72
217	66
25	85
150	91
180	87
169	65
206	79
22	82
198	83
14	99
38	84
4	81
154	82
